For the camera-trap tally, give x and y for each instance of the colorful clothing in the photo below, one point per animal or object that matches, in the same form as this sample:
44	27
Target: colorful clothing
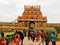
37	36
17	39
53	37
3	42
43	35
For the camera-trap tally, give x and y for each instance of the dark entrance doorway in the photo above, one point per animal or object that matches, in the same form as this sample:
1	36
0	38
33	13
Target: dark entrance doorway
31	24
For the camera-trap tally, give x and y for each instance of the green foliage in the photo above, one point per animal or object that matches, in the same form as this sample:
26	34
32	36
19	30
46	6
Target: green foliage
57	29
58	37
50	30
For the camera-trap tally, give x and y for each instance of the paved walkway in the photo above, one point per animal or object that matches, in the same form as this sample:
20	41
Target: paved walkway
29	42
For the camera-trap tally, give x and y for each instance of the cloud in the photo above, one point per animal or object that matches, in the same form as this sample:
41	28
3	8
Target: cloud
10	9
3	2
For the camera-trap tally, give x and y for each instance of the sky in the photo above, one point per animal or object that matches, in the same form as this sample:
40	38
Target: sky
11	9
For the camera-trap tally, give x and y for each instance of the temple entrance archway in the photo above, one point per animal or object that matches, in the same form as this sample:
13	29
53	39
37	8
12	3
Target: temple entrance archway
31	24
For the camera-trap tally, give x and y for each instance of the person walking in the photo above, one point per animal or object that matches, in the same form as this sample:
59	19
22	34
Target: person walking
17	39
43	34
21	37
47	39
30	32
53	38
37	35
28	35
24	32
33	36
7	40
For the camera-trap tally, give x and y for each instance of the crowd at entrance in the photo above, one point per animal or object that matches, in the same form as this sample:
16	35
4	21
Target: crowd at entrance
33	35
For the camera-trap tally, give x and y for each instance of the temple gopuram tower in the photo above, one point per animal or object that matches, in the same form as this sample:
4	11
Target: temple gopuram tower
32	17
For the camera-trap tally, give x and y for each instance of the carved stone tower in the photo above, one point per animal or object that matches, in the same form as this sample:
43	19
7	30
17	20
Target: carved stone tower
32	17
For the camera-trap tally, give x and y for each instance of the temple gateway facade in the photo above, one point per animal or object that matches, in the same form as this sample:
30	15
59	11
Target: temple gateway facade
32	17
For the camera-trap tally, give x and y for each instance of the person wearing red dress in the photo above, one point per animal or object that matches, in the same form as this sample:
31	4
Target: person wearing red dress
17	39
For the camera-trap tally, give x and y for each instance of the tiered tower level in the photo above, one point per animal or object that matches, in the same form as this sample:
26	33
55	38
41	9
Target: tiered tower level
32	17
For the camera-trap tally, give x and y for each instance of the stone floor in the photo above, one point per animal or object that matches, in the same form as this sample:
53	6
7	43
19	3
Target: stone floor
29	42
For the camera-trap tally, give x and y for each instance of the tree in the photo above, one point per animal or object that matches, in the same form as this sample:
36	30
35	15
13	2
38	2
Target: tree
57	28
50	30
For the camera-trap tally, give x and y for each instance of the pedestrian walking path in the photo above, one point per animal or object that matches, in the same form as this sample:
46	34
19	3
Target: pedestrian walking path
30	42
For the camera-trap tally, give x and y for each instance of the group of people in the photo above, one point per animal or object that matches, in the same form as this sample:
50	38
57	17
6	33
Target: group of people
33	35
18	37
45	37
